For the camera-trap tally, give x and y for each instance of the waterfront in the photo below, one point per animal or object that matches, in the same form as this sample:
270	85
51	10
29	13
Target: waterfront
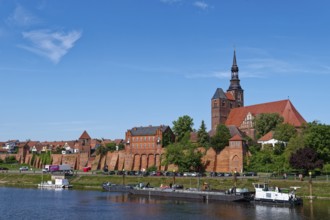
32	203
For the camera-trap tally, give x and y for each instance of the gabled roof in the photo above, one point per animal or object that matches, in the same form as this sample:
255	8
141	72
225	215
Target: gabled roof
283	108
85	135
267	136
236	138
150	130
230	96
219	94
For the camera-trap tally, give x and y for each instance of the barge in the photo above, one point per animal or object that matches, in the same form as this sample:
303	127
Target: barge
198	195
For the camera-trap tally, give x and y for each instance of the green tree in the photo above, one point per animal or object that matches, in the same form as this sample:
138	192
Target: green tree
184	155
203	137
266	122
284	132
181	126
101	150
167	138
221	138
111	146
317	136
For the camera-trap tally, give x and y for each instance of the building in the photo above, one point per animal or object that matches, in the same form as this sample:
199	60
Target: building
148	139
243	117
228	108
222	103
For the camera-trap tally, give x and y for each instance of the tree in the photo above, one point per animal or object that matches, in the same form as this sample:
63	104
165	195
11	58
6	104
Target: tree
184	155
183	125
306	159
221	138
284	132
317	136
203	138
266	122
101	150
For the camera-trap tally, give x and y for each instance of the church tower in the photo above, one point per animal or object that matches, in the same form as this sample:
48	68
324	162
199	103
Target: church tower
222	103
235	88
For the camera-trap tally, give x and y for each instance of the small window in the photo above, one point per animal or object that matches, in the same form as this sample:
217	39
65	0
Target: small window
223	103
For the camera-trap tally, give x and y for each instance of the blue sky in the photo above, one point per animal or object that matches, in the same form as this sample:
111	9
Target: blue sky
106	66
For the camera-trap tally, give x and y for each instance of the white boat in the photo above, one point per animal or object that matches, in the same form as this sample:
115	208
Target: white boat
264	193
58	184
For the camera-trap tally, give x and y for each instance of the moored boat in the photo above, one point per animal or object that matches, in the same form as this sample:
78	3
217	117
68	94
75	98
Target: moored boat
107	186
58	184
264	193
195	194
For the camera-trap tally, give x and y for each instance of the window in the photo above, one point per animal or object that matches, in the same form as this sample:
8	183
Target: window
223	103
215	105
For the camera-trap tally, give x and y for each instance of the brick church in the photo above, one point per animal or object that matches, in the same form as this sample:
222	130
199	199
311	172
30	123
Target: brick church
228	108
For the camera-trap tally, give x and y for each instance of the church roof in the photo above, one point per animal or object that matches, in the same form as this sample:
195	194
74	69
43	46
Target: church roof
85	135
219	94
283	107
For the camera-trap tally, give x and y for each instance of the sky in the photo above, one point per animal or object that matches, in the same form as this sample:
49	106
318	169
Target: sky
107	66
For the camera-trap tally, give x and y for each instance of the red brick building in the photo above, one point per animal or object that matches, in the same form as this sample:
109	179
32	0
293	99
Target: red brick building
228	108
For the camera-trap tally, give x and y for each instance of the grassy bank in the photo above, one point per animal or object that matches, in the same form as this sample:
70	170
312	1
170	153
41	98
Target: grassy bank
321	189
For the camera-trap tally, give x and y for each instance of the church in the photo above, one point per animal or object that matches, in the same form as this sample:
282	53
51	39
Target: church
228	108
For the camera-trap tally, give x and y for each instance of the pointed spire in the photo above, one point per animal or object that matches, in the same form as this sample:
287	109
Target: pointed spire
234	68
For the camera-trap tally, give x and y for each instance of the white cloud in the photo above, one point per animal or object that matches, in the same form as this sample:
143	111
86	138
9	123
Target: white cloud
200	4
53	45
216	74
22	17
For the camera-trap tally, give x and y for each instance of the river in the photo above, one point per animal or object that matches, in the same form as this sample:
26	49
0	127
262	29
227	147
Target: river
27	203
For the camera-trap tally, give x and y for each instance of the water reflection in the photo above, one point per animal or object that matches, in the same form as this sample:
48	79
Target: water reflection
74	204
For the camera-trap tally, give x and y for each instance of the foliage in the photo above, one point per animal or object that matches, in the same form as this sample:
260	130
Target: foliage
167	138
317	136
184	155
112	146
59	150
10	159
266	122
221	138
46	158
284	132
181	126
266	161
101	150
203	138
306	159
151	169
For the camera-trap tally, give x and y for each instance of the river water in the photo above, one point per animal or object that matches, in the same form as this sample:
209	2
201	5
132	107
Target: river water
22	203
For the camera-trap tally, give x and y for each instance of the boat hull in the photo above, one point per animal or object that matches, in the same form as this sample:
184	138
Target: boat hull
187	194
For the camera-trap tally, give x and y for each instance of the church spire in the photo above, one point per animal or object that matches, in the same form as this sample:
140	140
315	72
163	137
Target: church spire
235	87
234	82
234	68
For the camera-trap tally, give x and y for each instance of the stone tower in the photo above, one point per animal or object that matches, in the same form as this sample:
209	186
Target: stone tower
222	103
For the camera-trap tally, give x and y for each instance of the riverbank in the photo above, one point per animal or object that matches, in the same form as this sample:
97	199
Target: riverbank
320	189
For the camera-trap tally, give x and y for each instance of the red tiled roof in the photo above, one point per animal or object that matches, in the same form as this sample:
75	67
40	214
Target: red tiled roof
267	136
283	107
236	138
230	96
85	135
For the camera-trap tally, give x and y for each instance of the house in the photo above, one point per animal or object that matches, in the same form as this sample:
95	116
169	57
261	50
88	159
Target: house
269	139
148	139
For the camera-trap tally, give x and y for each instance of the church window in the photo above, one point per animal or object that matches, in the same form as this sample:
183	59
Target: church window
231	105
215	105
223	103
